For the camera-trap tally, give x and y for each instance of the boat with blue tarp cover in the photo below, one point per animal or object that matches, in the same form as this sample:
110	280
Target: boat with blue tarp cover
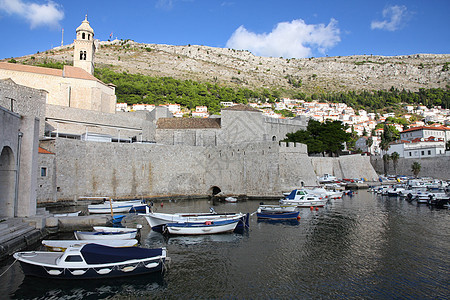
92	261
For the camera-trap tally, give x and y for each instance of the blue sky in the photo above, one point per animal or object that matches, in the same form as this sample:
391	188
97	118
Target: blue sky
293	28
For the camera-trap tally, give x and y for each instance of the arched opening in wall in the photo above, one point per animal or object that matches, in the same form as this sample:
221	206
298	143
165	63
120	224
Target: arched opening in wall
215	190
7	182
274	139
83	35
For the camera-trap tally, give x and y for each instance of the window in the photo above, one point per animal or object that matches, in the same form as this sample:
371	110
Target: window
83	35
429	152
410	153
422	152
82	55
43	171
73	258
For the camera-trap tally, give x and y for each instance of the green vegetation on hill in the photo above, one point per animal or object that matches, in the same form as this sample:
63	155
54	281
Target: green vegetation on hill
137	88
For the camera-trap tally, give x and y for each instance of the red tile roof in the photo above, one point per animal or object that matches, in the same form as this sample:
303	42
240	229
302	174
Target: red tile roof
440	127
67	72
43	151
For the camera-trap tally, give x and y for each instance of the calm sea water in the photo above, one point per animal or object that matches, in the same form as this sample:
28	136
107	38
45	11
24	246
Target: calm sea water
363	247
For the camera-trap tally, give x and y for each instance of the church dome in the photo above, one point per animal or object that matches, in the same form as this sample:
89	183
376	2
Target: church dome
85	27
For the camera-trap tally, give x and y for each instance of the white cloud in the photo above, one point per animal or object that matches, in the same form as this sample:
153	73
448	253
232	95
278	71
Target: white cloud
288	39
395	17
49	14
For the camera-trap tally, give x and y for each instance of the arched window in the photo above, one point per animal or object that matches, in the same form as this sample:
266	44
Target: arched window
83	35
89	36
274	139
81	55
84	55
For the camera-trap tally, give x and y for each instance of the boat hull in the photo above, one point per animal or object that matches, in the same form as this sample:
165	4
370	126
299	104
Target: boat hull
156	220
305	203
278	215
62	245
91	273
84	235
201	228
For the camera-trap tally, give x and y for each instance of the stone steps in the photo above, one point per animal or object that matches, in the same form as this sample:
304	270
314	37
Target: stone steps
16	235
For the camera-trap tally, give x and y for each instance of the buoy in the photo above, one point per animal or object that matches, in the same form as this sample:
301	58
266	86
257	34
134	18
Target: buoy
317	209
312	208
298	217
162	204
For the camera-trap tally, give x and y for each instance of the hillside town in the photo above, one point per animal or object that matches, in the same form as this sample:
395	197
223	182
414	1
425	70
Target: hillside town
426	135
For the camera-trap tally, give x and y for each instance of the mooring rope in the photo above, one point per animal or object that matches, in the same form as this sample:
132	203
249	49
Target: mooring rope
8	268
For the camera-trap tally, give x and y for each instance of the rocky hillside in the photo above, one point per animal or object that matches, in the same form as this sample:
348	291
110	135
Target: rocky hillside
242	68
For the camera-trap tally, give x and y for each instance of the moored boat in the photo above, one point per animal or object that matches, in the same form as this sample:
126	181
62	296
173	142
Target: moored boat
156	220
62	245
207	227
116	207
301	198
231	199
92	261
107	233
277	215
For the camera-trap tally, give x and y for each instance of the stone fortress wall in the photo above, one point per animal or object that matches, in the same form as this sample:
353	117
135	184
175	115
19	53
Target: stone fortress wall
144	170
436	167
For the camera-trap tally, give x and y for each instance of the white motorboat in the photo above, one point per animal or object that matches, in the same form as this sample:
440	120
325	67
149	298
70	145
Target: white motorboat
231	199
115	206
62	245
208	227
156	220
301	198
327	178
92	261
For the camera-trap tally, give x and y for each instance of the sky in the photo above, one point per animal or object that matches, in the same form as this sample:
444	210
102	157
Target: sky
276	28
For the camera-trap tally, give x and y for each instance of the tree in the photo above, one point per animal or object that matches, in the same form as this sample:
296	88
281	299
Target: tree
415	168
386	159
395	156
326	137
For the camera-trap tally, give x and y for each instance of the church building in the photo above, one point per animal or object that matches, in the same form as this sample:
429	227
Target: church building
73	86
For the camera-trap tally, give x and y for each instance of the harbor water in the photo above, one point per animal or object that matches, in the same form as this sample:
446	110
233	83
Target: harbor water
360	247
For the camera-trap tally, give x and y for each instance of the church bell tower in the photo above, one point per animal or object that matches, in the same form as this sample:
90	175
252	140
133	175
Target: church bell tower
84	50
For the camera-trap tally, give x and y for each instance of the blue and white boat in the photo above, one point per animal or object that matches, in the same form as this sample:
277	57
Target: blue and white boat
92	261
281	215
117	207
156	220
302	198
207	227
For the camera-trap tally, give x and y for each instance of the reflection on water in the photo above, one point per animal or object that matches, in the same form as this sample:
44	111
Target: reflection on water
359	247
37	288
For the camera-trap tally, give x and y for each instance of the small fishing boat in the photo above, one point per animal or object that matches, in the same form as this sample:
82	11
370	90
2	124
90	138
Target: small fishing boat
156	220
108	233
62	245
116	207
208	227
276	208
92	261
72	214
277	215
231	199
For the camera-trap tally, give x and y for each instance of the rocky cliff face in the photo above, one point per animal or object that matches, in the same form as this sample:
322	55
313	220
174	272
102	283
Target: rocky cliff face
242	68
